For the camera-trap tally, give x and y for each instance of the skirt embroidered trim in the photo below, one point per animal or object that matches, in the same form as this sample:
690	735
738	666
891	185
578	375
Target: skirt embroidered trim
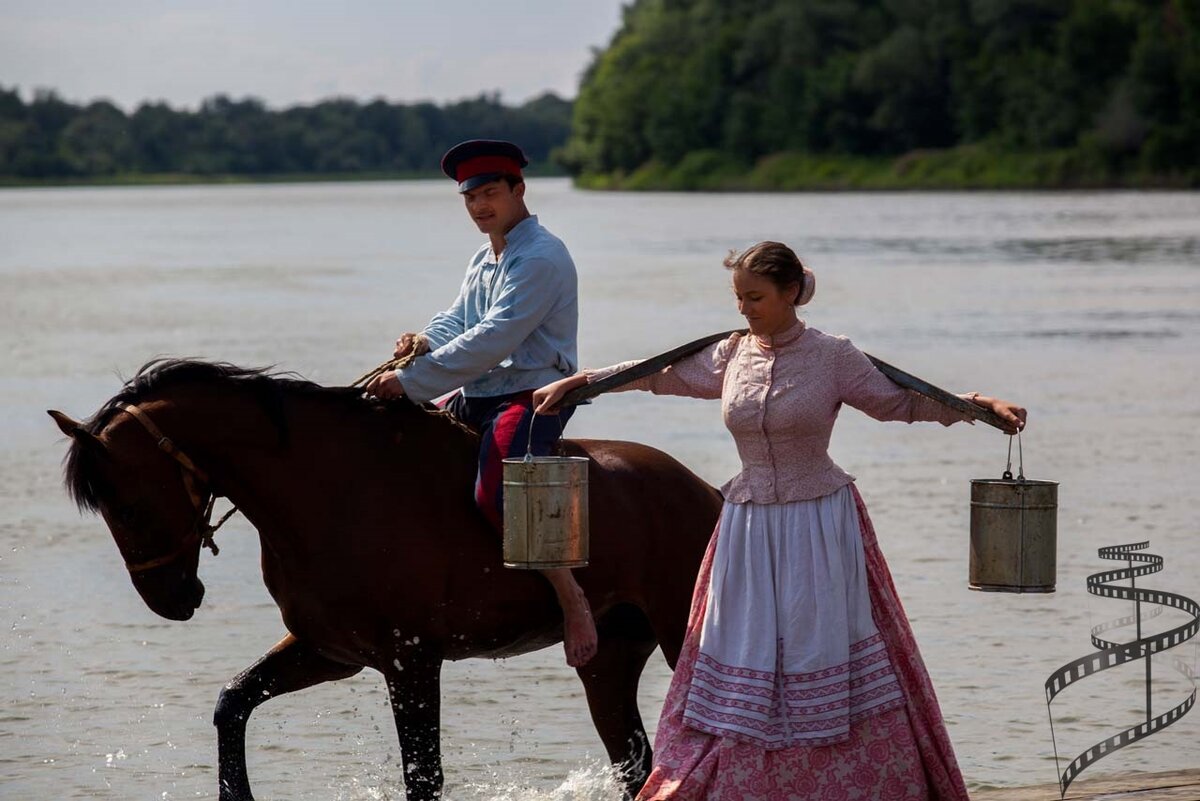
776	711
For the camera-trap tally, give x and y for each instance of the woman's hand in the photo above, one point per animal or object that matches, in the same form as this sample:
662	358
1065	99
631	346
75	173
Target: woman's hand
1010	413
546	399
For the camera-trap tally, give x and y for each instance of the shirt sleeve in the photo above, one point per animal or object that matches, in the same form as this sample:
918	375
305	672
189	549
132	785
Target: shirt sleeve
700	375
450	323
862	386
529	293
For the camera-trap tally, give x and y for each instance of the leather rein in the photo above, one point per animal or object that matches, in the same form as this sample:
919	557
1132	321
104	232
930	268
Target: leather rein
202	499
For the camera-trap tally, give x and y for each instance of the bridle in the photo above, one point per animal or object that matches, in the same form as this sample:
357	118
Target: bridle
193	480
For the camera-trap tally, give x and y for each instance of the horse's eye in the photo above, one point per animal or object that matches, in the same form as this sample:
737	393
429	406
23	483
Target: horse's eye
128	516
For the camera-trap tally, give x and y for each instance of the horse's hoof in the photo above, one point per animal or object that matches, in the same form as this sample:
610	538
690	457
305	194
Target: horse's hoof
229	794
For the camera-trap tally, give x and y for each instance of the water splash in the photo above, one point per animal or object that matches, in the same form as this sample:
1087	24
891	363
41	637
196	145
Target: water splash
596	782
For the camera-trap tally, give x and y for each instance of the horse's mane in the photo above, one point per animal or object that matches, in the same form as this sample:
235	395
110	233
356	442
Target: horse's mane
80	469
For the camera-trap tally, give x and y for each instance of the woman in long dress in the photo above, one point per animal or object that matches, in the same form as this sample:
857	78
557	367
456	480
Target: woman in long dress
799	676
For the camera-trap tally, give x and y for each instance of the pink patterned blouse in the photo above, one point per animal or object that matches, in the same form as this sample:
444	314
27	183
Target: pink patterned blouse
780	400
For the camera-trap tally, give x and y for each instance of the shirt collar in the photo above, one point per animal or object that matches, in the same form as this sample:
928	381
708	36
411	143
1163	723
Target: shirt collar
521	232
785	337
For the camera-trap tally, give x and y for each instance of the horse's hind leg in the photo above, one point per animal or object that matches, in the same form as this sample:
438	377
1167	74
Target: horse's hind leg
610	680
289	666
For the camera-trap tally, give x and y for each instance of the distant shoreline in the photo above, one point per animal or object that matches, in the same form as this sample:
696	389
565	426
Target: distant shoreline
964	169
967	168
189	179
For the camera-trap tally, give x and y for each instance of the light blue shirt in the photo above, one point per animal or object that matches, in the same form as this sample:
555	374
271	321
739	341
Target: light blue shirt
513	327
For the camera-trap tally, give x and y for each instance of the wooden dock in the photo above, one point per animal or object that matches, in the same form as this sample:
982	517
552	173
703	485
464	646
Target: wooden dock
1176	785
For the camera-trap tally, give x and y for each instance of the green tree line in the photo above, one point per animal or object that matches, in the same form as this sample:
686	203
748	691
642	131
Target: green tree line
50	138
720	92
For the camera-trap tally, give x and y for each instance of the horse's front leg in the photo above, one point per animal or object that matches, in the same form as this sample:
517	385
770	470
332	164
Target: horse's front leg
291	665
414	686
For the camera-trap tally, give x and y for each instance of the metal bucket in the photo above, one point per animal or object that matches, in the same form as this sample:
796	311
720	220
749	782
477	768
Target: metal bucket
1014	533
545	512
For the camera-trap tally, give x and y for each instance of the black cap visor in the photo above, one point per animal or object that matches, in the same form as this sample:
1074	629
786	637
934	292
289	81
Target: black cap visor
476	181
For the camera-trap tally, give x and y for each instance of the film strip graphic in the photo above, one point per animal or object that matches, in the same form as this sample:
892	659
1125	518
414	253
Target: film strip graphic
1111	654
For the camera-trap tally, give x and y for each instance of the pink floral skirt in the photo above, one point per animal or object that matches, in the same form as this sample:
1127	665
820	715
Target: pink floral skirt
899	754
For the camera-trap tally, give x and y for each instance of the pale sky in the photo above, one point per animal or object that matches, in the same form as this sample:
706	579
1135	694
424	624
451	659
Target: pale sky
299	51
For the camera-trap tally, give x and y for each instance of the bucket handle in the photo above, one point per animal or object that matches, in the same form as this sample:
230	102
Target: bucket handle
1020	457
529	445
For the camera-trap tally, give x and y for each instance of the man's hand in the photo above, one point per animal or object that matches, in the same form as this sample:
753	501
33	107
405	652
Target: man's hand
415	344
385	385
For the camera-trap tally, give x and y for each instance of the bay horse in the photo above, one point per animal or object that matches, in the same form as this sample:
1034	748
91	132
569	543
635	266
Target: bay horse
373	548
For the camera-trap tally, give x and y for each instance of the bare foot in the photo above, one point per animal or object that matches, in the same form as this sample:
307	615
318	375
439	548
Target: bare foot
579	630
579	633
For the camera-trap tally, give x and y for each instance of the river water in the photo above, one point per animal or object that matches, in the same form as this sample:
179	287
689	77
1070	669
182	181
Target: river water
1083	306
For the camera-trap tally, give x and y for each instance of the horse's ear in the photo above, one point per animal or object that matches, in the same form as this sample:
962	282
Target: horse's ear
67	425
75	431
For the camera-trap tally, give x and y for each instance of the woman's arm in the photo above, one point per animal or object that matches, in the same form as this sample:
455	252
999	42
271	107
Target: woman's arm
700	375
865	388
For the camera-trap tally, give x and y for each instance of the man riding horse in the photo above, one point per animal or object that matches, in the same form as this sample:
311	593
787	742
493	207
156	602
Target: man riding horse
512	329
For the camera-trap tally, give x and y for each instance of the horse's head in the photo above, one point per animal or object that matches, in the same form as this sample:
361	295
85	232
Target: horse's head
119	469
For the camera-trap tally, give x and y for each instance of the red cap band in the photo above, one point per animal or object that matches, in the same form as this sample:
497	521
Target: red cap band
479	165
